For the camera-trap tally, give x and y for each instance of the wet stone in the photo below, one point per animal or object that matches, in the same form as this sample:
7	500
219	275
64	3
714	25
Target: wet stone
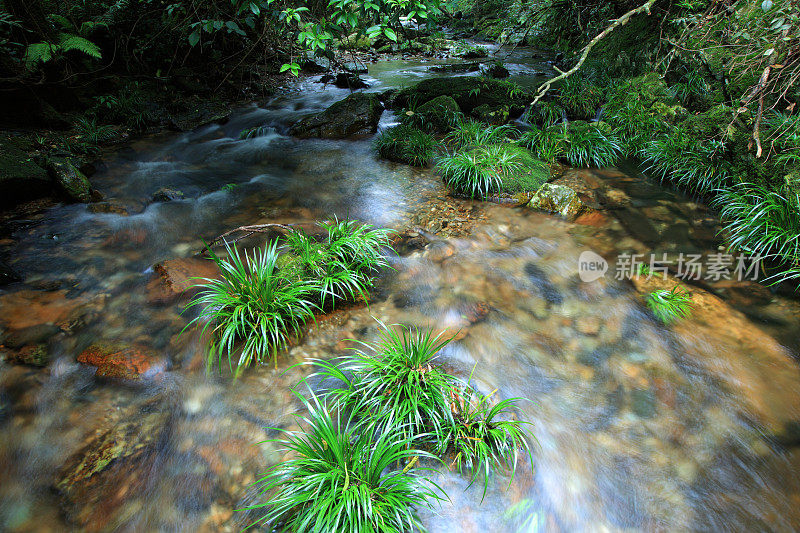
538	277
643	403
596	357
121	361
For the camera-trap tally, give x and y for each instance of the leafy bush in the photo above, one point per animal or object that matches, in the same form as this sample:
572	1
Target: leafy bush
485	436
253	302
439	115
479	172
92	132
588	146
406	144
344	476
764	222
342	265
396	383
670	305
469	133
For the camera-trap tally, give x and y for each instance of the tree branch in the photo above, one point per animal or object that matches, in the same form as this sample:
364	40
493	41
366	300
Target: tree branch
543	88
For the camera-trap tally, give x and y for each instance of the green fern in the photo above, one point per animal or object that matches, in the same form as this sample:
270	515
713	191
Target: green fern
43	52
81	44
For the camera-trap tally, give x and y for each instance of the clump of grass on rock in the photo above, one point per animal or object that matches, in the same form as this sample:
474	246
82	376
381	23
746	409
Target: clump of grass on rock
407	144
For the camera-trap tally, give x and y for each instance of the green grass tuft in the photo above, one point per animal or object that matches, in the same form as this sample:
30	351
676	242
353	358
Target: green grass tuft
344	476
765	222
588	145
397	383
479	172
253	302
669	306
469	133
407	144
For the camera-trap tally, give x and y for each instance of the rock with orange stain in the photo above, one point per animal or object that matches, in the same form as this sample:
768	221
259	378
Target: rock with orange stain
121	362
175	277
730	348
28	308
596	219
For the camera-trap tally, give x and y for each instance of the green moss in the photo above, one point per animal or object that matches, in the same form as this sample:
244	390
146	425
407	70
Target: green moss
469	92
438	114
529	176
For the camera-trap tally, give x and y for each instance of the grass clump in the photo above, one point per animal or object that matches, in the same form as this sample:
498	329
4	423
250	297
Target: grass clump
253	302
685	161
344	476
407	144
398	383
670	305
470	133
264	298
548	144
587	145
342	264
484	436
765	222
479	172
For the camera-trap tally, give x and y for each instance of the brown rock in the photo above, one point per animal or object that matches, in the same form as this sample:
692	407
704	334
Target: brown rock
121	361
732	349
28	308
173	278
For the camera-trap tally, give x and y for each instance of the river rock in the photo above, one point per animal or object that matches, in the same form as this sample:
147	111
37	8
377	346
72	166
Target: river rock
197	111
558	199
438	114
347	80
8	274
119	361
114	467
28	308
498	71
358	114
167	194
175	277
72	181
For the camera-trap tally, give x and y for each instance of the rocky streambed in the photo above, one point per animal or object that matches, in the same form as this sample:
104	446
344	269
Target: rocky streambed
110	421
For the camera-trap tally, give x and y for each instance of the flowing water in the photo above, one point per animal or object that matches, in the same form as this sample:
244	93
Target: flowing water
639	427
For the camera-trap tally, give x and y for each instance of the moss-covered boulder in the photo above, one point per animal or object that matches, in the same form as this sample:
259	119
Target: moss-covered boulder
469	92
438	114
358	114
558	199
72	182
21	178
492	115
529	176
716	121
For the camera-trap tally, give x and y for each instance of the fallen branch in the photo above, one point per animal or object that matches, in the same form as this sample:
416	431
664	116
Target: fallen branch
543	88
248	231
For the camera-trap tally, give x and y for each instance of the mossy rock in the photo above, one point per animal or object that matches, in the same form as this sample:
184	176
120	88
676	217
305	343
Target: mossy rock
72	182
532	174
492	115
356	42
358	114
711	123
438	114
469	92
670	113
558	199
21	178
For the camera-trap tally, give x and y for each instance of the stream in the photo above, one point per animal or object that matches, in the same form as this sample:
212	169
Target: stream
640	427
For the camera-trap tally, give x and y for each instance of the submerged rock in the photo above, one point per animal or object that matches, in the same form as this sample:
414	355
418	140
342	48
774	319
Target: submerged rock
114	467
347	80
121	361
558	199
173	278
358	114
167	194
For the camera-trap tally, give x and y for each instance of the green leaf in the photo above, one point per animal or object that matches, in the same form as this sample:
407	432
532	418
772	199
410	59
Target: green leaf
81	44
389	32
194	38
